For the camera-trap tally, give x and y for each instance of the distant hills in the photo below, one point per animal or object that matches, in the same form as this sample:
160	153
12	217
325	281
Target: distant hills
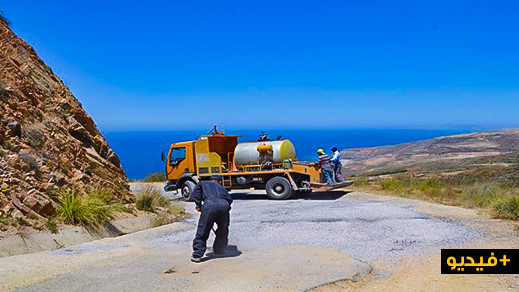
450	153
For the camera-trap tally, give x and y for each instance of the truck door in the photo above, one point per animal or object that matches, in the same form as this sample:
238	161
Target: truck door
180	161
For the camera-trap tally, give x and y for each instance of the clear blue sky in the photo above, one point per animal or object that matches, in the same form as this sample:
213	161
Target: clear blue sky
281	64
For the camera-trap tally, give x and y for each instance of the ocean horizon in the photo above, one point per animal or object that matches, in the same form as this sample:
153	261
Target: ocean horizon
139	151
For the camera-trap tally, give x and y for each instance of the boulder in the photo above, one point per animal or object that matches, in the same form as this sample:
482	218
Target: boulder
14	128
39	203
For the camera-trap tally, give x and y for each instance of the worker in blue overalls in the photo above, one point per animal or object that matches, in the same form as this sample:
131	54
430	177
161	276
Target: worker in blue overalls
214	203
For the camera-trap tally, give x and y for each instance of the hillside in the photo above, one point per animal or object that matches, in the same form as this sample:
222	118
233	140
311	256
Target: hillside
449	153
47	140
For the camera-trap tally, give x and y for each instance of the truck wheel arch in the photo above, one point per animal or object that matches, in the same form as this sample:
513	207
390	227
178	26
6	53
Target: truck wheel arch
187	190
187	176
187	180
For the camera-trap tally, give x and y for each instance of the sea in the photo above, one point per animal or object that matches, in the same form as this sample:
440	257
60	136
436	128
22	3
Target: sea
139	151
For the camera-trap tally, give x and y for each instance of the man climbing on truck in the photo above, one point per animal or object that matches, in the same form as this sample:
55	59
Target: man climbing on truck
326	167
214	203
337	164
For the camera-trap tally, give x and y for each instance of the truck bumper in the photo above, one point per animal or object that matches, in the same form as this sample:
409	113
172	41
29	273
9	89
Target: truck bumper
170	186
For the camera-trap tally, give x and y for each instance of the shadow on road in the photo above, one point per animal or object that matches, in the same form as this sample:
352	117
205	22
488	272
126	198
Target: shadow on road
322	196
248	196
318	196
230	252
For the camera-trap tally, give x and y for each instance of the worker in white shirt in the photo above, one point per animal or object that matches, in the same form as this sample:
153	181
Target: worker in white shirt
337	165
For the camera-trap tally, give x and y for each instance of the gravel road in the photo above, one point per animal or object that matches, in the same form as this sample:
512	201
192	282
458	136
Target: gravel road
365	229
280	245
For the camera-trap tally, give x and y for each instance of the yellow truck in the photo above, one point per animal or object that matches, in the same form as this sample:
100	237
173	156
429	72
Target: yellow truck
263	164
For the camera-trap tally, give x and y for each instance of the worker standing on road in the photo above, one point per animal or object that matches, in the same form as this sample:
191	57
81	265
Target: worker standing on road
326	167
337	164
214	203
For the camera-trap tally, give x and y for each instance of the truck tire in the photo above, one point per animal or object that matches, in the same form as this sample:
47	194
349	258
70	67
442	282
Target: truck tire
279	188
187	190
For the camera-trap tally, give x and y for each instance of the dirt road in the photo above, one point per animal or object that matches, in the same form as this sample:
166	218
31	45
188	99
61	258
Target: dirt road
330	241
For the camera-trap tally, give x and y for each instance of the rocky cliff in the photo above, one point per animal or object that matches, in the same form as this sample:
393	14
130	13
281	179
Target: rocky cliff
457	152
47	140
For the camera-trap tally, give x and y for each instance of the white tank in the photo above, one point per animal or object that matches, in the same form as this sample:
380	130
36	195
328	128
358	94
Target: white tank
248	154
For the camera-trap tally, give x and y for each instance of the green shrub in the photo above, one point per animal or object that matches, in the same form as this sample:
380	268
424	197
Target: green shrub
432	187
71	208
92	208
391	185
53	192
361	181
144	202
32	216
155	177
483	194
150	198
22	221
507	208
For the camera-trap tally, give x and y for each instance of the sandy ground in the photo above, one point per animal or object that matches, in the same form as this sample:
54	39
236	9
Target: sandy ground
323	241
421	272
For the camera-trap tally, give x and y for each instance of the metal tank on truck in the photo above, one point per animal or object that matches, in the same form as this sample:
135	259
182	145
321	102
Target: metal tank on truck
264	153
264	164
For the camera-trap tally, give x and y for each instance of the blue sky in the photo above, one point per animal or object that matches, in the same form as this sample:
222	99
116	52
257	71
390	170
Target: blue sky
159	65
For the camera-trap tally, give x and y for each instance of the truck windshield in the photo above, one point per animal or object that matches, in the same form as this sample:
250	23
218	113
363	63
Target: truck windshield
177	155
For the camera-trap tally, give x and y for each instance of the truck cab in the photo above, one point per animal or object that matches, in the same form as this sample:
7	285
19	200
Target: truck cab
197	160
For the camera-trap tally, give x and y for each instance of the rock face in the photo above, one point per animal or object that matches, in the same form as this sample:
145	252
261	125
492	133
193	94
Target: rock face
47	139
450	152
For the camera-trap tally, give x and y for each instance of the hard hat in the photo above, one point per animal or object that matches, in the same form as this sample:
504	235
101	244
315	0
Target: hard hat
216	177
320	151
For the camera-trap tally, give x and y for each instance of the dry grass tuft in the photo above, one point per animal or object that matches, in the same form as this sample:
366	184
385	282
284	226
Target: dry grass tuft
151	200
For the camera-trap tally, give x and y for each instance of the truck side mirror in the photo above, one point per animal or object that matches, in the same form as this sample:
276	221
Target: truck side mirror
163	157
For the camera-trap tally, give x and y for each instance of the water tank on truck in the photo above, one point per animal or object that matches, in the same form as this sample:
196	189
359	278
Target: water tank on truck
264	153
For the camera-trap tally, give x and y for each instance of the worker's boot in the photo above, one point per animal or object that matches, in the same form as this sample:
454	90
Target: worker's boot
195	259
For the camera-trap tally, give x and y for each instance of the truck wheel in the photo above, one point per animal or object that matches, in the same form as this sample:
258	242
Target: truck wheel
279	188
187	190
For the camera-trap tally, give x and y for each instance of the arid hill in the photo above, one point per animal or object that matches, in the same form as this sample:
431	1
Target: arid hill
457	152
47	140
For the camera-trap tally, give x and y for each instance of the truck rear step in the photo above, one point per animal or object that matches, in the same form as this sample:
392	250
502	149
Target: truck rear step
327	187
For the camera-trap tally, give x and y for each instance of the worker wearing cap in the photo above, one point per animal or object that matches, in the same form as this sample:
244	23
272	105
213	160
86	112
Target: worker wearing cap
214	203
337	164
326	166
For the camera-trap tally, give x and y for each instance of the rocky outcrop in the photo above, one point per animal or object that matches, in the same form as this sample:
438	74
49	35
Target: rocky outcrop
47	140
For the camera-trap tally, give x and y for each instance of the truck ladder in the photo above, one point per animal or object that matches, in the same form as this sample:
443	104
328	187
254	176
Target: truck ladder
227	181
